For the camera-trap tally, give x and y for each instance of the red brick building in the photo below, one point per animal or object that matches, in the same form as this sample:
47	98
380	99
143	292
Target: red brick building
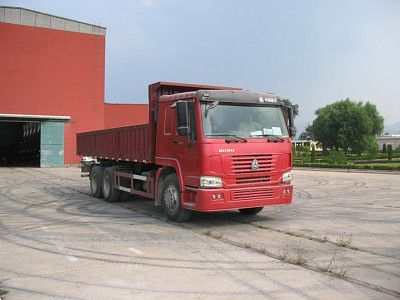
52	86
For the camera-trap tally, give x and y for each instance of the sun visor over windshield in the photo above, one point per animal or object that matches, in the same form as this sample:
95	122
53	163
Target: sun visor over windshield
239	96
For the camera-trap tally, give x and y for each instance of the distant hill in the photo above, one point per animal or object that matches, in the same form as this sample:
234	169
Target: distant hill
392	128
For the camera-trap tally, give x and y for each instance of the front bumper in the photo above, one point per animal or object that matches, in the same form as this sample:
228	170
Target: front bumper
227	199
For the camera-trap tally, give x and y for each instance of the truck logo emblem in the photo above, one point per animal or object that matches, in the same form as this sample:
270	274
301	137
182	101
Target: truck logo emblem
254	165
226	150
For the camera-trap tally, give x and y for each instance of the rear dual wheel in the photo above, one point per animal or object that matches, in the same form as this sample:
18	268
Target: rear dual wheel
109	192
96	181
102	183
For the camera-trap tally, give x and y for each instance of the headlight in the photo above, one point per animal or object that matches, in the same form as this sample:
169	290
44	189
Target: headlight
210	182
287	177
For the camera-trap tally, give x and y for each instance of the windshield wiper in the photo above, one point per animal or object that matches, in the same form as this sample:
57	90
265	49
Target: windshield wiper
233	137
230	137
271	136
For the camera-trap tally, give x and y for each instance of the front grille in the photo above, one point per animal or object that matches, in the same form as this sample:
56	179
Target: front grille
241	164
253	194
252	179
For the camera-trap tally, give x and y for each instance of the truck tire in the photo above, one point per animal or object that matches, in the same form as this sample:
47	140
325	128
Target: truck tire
171	199
109	191
251	211
96	179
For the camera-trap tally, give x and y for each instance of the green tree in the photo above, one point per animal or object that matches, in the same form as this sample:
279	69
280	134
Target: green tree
372	148
384	148
347	125
307	134
375	117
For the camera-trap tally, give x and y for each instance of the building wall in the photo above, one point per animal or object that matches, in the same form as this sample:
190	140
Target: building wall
116	115
393	140
53	72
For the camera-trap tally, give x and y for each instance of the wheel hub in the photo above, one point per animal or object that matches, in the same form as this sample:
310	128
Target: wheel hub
107	186
171	198
94	184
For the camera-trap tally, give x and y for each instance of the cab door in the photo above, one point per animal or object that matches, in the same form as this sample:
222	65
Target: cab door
168	127
185	148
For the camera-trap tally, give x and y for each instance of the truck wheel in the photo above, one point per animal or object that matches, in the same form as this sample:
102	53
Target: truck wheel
171	199
96	177
109	191
251	211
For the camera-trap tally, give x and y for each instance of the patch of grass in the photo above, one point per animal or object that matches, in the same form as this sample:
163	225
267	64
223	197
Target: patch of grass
299	260
331	268
208	233
284	255
3	293
345	240
292	233
247	245
263	251
295	234
218	236
341	273
259	225
213	234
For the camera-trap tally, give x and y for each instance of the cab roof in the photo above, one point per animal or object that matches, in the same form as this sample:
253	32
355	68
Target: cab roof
239	96
231	96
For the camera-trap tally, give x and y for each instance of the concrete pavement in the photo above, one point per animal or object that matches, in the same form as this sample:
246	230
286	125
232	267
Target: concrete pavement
340	238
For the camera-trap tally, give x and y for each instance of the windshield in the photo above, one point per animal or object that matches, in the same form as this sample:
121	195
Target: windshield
243	121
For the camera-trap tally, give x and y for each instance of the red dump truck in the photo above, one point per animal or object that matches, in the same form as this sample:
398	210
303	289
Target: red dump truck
205	148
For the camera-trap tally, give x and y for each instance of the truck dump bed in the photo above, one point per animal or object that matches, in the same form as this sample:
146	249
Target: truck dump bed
130	143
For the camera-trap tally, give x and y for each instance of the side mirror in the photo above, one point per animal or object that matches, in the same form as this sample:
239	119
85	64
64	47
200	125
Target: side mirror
292	129
182	118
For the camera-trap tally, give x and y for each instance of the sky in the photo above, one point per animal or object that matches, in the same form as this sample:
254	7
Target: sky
312	52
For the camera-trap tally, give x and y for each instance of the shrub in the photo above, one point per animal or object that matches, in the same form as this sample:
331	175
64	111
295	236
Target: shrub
372	149
390	152
313	153
303	148
336	157
392	167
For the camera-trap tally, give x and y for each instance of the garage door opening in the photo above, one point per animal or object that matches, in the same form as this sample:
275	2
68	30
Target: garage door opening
20	144
32	140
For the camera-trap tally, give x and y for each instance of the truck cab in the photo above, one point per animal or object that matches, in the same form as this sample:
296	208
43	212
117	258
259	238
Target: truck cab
231	149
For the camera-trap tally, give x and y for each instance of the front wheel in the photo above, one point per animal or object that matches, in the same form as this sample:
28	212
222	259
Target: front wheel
251	211
171	197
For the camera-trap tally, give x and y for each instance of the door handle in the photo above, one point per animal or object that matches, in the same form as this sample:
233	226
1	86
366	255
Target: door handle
176	142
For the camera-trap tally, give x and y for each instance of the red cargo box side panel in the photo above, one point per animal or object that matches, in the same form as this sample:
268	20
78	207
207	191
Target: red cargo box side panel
85	144
131	143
